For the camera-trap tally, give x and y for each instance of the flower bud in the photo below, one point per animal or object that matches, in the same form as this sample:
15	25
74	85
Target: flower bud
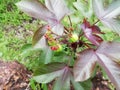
74	38
57	48
60	48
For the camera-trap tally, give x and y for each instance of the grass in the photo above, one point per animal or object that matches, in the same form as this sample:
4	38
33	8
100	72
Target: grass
16	31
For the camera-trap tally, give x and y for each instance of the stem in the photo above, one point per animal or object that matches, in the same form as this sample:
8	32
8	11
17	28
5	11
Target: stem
54	33
70	21
66	30
72	54
96	22
87	45
81	34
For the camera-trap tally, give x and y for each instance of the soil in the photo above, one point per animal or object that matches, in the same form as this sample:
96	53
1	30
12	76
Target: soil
14	76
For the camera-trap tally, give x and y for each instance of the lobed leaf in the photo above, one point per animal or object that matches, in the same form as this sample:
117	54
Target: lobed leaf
109	58
110	49
84	65
58	7
58	29
48	72
63	82
112	69
89	34
108	16
98	7
37	10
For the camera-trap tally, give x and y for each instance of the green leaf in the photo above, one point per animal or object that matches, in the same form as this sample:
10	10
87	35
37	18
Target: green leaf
39	40
26	49
48	55
86	84
76	85
81	6
32	84
48	72
1	54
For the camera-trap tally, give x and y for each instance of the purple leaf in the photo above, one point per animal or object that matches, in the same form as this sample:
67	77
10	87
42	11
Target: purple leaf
98	7
49	72
58	29
109	58
112	69
39	40
36	10
91	33
84	65
110	49
53	13
58	7
108	16
88	33
63	82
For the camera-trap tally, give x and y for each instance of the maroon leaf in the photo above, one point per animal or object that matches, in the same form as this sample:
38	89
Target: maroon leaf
84	65
96	29
91	32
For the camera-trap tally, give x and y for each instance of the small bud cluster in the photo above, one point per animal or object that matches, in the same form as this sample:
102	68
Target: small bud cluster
54	44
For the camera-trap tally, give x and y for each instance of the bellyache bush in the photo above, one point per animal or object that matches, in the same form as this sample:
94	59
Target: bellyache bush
83	47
